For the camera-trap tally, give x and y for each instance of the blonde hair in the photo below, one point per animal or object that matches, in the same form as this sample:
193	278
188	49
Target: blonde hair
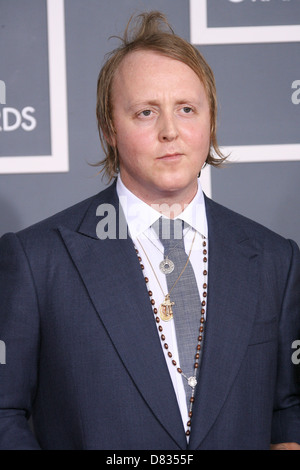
150	31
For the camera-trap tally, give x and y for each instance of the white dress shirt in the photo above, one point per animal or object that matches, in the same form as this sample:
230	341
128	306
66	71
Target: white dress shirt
139	217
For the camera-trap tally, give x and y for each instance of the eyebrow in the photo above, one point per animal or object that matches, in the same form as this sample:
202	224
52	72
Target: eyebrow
151	102
142	104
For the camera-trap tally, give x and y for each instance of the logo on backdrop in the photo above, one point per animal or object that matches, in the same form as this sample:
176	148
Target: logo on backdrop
2	92
33	106
296	93
12	118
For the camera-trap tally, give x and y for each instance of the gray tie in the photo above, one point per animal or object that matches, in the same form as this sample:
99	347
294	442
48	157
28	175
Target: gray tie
187	308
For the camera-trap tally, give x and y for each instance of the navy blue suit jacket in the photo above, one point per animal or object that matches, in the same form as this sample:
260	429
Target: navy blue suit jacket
83	356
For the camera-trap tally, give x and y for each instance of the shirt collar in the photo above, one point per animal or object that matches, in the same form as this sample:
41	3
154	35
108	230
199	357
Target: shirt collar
140	216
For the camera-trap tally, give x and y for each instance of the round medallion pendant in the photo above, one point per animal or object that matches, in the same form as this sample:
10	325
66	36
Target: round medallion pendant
166	266
192	382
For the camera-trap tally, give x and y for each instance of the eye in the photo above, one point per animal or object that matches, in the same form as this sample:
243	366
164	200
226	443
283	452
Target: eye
145	113
187	109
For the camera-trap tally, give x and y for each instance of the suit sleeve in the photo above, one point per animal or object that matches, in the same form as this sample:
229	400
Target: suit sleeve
19	333
286	417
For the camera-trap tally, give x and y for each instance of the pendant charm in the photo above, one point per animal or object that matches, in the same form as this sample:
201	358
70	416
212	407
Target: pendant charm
192	382
165	309
166	266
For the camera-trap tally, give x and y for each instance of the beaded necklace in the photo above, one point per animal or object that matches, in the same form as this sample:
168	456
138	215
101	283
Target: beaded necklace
192	381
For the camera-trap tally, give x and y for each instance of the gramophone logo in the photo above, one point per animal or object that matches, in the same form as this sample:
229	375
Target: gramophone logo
33	107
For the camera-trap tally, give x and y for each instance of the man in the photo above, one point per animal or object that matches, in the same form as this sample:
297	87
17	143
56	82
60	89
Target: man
93	347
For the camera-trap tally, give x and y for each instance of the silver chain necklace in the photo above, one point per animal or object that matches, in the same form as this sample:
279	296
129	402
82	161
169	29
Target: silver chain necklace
166	266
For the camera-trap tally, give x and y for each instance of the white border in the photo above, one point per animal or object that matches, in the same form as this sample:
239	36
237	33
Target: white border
58	161
201	34
253	154
262	153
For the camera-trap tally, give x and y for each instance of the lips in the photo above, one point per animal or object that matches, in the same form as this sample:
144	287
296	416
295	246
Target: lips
171	156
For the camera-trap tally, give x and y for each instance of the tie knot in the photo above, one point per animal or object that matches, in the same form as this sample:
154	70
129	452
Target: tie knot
169	231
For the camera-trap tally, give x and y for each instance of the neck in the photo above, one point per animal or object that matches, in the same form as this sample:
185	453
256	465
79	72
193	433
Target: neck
169	207
168	203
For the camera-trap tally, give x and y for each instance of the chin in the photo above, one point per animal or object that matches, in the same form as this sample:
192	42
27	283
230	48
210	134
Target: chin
178	182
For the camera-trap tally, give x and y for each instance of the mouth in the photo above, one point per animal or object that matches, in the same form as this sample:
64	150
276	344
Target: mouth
170	157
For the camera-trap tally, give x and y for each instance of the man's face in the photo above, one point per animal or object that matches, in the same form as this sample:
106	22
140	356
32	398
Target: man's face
162	121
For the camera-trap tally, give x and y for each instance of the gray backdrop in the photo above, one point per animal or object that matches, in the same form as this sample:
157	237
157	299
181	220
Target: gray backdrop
259	104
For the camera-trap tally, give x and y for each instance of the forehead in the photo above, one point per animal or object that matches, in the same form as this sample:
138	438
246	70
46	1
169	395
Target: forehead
142	71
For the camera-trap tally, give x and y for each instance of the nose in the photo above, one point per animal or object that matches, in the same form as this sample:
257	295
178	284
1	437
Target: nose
167	127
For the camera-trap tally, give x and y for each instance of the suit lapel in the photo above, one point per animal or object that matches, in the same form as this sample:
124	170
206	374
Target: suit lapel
232	287
113	278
